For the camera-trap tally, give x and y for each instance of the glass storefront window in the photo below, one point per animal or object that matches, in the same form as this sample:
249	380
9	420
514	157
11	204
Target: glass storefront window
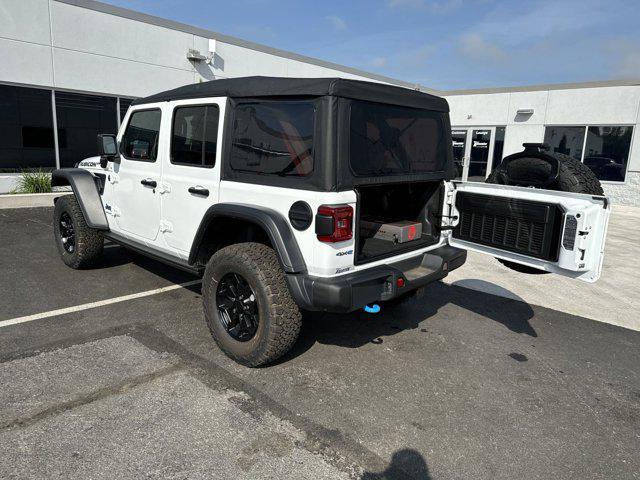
459	140
498	147
125	103
26	129
80	119
607	151
480	141
566	140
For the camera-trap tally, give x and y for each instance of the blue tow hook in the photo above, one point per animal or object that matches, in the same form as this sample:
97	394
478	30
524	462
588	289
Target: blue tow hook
373	308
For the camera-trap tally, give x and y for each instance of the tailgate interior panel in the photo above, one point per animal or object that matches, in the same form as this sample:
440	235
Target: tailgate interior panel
521	226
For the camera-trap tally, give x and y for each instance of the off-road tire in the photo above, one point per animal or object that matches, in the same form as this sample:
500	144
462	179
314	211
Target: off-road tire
89	242
279	316
573	176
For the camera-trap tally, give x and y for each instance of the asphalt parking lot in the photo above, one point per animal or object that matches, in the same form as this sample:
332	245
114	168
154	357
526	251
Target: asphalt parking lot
454	384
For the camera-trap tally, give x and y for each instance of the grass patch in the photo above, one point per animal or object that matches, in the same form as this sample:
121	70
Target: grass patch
36	181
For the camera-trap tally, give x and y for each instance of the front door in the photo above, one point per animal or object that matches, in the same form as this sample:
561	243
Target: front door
191	174
136	178
559	232
472	152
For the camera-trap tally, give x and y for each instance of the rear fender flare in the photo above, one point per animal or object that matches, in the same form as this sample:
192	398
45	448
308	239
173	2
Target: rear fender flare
84	187
273	223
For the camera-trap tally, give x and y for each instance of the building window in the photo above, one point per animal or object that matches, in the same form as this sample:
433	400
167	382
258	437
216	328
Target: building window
607	151
498	147
565	140
606	148
274	138
80	119
125	103
195	135
140	139
479	156
26	129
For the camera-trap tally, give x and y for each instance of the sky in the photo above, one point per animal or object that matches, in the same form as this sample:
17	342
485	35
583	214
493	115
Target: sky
441	44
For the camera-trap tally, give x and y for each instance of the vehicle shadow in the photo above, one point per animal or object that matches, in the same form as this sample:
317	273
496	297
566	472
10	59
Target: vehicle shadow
405	463
353	330
115	255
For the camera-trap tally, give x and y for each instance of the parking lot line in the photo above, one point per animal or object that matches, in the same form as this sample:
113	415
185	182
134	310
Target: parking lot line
101	303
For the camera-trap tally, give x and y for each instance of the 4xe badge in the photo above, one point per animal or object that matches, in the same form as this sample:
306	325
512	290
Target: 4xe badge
344	252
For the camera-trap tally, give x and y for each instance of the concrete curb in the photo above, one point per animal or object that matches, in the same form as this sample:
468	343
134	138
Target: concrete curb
28	200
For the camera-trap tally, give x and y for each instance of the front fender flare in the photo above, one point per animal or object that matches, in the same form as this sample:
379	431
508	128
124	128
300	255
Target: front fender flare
84	187
273	223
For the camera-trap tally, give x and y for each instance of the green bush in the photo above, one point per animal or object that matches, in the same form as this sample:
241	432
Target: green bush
35	181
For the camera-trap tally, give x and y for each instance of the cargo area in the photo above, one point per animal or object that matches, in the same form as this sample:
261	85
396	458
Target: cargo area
396	218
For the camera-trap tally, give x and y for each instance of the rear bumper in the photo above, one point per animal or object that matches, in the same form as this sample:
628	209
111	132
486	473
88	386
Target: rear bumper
353	291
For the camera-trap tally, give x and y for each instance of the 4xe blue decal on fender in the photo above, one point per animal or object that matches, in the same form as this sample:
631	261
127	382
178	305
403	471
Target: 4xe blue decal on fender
343	253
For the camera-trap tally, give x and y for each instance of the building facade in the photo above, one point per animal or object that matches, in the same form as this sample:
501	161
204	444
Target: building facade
596	123
70	69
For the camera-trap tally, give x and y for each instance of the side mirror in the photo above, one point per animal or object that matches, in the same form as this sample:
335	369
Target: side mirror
108	146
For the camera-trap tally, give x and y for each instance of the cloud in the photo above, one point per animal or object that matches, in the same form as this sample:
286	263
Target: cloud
379	61
338	23
436	6
473	45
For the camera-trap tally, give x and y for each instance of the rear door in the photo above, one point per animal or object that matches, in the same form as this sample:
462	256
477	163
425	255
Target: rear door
191	172
559	232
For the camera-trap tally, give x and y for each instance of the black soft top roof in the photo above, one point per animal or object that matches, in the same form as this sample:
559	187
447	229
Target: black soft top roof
253	87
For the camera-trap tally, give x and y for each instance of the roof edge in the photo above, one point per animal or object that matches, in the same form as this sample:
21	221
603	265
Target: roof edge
542	87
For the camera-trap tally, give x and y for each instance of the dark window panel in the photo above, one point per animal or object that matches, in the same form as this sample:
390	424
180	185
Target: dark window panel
607	151
498	147
26	129
80	119
211	135
125	103
479	156
391	140
37	137
274	138
140	139
566	140
194	139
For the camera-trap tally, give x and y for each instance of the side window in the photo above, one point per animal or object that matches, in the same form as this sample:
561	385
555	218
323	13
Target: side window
195	135
140	139
274	138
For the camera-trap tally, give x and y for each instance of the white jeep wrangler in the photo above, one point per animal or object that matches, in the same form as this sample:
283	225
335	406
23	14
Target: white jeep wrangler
316	194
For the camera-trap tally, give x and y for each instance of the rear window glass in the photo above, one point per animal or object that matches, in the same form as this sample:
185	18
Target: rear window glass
274	138
390	140
195	133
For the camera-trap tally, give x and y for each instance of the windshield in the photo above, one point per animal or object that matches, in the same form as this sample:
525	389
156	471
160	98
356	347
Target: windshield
393	140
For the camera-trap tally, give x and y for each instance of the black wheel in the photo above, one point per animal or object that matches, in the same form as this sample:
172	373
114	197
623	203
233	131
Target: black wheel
247	304
573	176
79	246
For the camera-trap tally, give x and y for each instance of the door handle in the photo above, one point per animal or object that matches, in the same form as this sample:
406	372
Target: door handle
147	182
197	190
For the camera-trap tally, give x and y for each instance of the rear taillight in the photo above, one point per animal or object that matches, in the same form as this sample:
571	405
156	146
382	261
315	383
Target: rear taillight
334	223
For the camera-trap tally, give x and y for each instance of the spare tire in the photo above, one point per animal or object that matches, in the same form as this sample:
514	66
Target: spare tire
539	168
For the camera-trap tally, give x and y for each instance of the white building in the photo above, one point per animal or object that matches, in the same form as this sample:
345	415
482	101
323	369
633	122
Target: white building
71	67
594	122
